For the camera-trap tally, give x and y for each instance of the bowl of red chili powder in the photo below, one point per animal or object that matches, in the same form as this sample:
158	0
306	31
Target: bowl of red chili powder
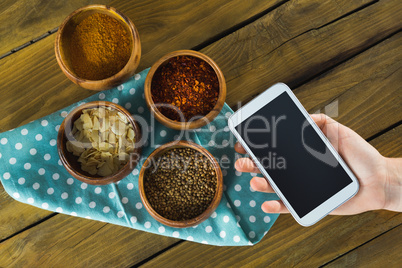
185	89
98	47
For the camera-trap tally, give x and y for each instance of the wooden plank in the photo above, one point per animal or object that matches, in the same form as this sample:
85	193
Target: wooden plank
16	215
364	89
286	245
74	242
384	251
33	84
383	146
23	21
255	60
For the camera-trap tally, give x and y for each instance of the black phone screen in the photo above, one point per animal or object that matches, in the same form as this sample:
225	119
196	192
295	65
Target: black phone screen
293	154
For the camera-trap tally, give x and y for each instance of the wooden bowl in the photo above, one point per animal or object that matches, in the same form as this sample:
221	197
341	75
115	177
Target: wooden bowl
70	161
185	125
212	206
62	47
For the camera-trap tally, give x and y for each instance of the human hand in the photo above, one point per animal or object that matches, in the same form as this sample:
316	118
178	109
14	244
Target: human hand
380	178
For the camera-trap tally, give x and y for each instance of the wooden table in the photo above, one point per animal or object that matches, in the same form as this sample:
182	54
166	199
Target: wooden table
345	52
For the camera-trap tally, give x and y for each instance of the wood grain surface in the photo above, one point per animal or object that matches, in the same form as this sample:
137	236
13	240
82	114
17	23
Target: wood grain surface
303	55
16	215
24	21
381	143
363	89
384	251
85	243
348	52
286	245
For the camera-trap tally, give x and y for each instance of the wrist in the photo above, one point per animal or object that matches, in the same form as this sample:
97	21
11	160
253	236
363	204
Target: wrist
393	184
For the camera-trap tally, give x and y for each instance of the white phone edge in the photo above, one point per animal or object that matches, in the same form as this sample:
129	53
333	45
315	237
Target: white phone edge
324	208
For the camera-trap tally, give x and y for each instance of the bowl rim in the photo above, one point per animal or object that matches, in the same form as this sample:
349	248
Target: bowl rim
135	51
212	206
62	151
209	117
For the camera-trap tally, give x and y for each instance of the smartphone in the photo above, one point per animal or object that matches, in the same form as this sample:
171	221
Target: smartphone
297	159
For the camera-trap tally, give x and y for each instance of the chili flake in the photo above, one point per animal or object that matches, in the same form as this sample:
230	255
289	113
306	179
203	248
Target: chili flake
188	83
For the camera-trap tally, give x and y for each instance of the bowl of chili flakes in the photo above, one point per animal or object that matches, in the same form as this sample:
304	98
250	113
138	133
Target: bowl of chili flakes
185	89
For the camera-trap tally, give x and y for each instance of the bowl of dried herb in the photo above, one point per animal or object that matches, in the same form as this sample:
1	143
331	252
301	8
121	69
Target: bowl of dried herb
185	89
98	47
98	143
180	184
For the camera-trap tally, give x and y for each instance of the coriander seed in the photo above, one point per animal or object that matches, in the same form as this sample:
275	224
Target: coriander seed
180	184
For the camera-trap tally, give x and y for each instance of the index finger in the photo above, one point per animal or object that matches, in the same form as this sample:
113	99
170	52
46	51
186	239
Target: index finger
239	148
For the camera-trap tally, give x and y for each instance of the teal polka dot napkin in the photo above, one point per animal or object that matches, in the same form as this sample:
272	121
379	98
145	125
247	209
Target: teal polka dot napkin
31	172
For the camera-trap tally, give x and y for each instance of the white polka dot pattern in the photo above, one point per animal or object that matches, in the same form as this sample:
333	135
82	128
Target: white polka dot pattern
176	234
130	186
222	234
36	186
41	171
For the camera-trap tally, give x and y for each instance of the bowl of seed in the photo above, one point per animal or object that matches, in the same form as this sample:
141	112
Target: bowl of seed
185	89
98	143
180	184
98	47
